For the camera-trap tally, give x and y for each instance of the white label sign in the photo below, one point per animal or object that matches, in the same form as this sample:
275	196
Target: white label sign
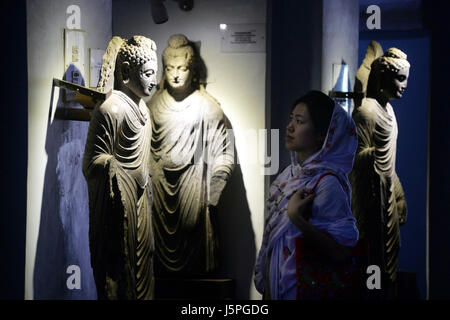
74	56
95	65
243	37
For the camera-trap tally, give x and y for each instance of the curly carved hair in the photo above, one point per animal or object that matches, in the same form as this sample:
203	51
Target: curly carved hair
391	62
137	51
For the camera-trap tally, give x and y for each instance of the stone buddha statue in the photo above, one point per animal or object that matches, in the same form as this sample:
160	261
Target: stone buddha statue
378	200
116	166
192	158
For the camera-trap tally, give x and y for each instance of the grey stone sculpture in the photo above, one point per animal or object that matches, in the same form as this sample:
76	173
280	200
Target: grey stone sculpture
378	200
192	159
116	166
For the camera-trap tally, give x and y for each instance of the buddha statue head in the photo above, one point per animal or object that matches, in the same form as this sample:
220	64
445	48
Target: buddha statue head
129	66
388	77
180	67
137	65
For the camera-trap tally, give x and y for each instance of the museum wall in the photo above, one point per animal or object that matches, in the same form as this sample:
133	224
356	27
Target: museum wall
57	200
306	38
237	81
340	41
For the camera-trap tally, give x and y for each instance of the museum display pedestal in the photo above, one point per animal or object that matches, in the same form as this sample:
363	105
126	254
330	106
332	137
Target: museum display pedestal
210	289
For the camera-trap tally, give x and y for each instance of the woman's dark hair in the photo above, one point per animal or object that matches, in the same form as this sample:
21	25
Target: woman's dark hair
320	108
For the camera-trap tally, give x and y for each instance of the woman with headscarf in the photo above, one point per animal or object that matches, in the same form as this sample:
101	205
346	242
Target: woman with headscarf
311	198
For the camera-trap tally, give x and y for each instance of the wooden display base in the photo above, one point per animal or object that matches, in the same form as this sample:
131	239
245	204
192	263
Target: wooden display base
188	289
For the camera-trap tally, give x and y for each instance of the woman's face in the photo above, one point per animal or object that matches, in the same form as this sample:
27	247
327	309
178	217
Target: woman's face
395	84
301	135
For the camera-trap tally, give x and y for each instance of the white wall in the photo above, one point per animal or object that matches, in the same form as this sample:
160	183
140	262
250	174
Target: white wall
236	80
46	20
340	39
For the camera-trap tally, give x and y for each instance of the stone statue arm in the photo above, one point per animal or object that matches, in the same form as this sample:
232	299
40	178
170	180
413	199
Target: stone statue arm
218	183
363	176
366	150
99	149
224	161
400	198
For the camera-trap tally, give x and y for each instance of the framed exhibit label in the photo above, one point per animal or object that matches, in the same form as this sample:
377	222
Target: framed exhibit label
243	37
74	58
95	65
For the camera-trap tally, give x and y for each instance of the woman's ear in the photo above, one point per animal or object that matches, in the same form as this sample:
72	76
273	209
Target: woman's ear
125	71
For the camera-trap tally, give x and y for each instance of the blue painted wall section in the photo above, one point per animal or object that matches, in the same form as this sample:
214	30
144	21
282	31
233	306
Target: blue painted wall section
63	232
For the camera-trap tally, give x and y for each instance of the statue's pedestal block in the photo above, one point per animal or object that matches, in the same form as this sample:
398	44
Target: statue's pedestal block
210	289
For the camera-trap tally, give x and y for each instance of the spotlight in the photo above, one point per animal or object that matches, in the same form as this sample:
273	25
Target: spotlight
159	12
186	5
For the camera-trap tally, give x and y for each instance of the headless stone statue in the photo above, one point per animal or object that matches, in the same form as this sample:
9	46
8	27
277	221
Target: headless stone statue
192	159
116	166
378	200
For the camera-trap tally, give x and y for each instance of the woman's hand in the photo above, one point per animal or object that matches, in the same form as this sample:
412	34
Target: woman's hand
299	206
299	211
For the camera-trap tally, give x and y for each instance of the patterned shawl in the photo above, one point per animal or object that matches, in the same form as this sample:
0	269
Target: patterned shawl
331	209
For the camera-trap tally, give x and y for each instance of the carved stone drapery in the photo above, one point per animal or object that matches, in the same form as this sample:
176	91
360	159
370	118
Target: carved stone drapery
191	162
378	200
116	166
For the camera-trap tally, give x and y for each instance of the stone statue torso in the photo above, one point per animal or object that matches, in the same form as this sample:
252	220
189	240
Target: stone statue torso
117	168
375	185
188	138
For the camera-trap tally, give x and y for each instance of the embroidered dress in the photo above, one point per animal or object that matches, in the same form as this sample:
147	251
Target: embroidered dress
276	268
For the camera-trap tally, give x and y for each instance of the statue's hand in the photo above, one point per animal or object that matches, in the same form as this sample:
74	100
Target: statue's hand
400	199
401	209
100	165
217	185
104	160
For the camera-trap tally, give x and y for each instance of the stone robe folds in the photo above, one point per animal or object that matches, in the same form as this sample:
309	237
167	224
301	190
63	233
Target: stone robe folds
378	201
192	153
117	168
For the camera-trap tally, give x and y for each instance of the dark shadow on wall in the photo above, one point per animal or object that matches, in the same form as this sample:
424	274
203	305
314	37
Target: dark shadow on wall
237	250
63	231
295	60
236	235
